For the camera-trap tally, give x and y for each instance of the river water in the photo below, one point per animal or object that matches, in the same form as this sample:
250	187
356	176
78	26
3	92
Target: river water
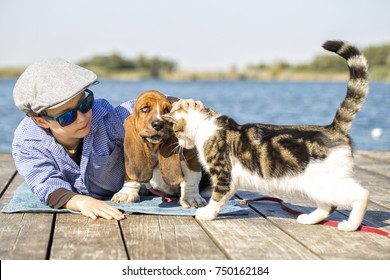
246	101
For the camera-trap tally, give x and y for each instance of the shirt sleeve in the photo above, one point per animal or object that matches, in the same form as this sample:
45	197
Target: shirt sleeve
114	120
124	110
59	198
40	172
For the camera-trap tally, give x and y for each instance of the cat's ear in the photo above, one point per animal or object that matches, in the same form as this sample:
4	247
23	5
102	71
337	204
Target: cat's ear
168	118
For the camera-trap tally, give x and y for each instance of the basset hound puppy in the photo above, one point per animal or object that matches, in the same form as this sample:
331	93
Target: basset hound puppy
152	155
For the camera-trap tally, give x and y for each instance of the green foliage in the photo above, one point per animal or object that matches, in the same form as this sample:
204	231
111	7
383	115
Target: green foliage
115	63
155	66
378	55
111	62
378	58
326	63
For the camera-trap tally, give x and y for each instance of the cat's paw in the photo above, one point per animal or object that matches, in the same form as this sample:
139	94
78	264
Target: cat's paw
122	197
195	201
347	226
205	213
305	219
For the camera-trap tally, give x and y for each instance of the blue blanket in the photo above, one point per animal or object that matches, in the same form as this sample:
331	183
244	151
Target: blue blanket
25	201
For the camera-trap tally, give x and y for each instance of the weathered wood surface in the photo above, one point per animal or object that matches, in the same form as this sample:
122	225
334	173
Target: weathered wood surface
267	232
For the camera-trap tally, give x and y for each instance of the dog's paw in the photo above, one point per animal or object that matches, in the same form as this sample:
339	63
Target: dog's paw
205	213
122	197
194	201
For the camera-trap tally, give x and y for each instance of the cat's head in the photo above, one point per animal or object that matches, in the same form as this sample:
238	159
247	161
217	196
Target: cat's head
179	119
188	125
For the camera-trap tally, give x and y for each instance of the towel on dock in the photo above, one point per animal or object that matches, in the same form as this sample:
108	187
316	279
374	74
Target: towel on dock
25	201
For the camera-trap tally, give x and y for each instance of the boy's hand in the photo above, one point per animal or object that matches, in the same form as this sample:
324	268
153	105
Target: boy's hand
187	104
94	208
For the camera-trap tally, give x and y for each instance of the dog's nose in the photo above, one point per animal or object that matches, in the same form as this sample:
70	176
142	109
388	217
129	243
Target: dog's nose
158	125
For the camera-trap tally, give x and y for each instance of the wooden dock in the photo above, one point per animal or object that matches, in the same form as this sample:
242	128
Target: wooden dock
266	233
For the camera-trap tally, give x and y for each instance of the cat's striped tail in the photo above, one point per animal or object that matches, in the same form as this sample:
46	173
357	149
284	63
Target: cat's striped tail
357	89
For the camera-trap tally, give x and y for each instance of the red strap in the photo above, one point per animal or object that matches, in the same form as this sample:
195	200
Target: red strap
324	222
162	195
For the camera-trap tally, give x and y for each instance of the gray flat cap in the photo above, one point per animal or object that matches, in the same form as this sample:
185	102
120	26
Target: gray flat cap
49	84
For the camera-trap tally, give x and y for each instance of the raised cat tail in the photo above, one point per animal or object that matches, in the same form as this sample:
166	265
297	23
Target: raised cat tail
357	89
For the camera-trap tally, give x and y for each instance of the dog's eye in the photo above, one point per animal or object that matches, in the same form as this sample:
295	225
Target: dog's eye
166	110
145	109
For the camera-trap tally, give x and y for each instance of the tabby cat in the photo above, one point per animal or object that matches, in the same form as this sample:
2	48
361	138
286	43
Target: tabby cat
315	161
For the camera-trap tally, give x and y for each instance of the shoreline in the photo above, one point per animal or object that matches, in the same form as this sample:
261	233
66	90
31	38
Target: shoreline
264	75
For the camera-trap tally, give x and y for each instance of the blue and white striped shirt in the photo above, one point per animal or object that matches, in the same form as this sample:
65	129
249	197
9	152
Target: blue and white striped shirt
47	167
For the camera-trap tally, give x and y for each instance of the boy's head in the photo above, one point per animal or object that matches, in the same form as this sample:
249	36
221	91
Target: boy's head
49	84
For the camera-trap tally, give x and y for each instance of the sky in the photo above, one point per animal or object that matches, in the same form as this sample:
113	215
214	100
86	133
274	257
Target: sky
199	35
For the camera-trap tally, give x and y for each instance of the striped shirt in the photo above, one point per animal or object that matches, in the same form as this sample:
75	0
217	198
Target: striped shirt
47	167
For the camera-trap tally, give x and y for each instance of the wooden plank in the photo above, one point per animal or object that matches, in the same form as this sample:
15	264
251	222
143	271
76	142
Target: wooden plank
8	194
7	170
326	242
377	162
77	237
153	237
378	155
253	237
26	235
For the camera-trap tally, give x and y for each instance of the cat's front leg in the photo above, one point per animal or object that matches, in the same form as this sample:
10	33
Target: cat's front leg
213	208
209	212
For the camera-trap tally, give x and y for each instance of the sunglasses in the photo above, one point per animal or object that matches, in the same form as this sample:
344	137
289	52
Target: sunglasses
70	116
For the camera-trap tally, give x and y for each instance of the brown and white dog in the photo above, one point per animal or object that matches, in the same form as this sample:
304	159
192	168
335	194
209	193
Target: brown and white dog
151	155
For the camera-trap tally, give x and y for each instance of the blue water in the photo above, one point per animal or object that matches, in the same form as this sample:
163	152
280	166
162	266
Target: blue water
245	101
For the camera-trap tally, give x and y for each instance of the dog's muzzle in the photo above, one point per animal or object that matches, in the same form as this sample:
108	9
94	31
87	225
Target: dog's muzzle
158	125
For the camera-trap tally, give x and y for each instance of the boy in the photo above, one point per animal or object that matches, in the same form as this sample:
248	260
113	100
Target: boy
69	147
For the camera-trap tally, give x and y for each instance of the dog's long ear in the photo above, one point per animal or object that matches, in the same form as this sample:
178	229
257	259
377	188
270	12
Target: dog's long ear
138	157
169	162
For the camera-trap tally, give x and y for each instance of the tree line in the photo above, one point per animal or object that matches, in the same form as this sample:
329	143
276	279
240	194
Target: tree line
378	58
323	66
151	66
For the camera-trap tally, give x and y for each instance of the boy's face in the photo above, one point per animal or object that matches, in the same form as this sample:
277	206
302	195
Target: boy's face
76	130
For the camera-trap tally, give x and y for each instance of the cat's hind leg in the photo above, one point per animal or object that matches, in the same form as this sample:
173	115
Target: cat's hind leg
321	213
357	214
